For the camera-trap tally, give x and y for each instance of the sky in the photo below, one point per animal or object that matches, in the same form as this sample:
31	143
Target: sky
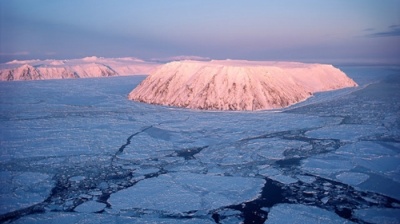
335	31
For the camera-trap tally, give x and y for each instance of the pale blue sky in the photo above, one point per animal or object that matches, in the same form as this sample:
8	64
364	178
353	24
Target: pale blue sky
302	30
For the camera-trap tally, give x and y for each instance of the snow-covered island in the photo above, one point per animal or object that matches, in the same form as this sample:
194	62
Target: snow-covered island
75	68
237	84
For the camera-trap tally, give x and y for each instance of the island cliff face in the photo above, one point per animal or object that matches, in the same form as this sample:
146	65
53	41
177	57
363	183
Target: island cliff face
237	85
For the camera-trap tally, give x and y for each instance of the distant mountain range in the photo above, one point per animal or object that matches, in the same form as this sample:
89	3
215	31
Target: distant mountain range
74	68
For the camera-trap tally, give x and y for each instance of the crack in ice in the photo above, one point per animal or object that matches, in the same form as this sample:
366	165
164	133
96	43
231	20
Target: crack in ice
128	141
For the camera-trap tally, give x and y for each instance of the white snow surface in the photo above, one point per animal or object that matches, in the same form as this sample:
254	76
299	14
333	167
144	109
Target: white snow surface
75	68
237	85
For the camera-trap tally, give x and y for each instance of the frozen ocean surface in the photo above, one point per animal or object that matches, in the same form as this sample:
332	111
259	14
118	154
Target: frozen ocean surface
300	214
78	151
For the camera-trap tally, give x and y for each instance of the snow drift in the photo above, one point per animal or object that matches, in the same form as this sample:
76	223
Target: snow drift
74	68
237	85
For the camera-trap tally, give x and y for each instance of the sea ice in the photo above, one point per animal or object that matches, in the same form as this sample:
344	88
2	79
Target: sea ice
378	215
155	163
283	179
145	171
381	164
346	132
275	147
276	175
381	184
249	151
184	192
77	178
90	218
327	164
23	189
90	207
146	147
352	178
300	214
306	179
366	149
365	165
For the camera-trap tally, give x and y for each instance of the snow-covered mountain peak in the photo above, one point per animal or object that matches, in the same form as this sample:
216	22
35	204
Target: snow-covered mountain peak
130	59
57	62
180	58
73	68
237	84
91	58
18	62
26	66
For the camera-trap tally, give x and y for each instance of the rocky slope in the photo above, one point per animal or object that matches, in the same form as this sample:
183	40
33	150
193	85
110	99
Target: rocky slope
237	85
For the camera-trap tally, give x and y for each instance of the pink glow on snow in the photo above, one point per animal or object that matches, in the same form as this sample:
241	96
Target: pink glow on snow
237	84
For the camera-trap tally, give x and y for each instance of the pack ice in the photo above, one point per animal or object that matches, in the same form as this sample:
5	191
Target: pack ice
78	151
237	85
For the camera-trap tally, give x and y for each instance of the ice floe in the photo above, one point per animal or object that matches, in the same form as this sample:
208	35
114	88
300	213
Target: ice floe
365	165
300	214
346	132
90	207
352	178
68	217
184	192
276	175
23	189
378	215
